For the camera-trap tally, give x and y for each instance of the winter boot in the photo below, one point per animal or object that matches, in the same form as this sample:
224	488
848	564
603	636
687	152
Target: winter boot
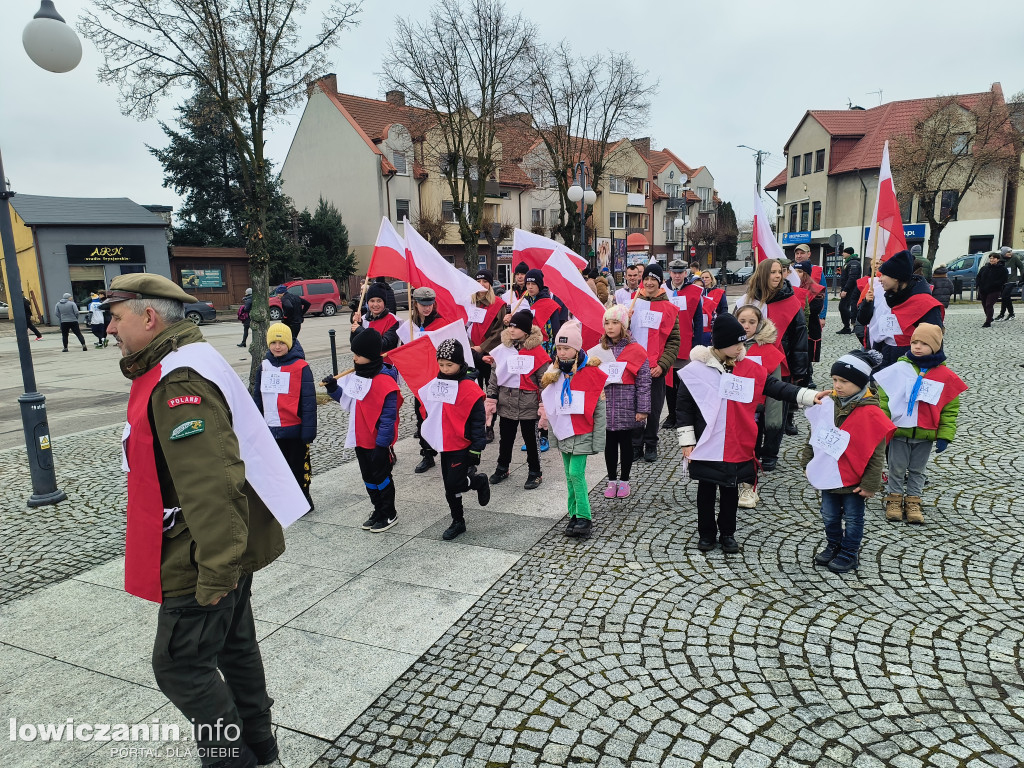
914	515
894	507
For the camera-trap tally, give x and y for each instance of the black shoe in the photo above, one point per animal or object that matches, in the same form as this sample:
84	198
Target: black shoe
651	454
998	317
844	330
532	482
827	555
242	345
668	423
768	463
706	545
638	450
369	523
583	527
457	528
482	487
246	760
490	434
844	562
570	529
729	545
265	751
791	429
425	463
499	475
64	350
986	325
383	524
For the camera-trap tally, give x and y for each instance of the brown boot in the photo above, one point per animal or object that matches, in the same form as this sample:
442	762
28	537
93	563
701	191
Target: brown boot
894	508
914	516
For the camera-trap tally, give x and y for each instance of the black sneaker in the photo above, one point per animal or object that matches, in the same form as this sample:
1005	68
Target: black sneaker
570	529
427	462
769	463
483	488
457	528
383	524
844	562
706	545
583	527
844	330
729	545
265	751
369	523
651	454
791	429
532	482
827	554
499	475
240	345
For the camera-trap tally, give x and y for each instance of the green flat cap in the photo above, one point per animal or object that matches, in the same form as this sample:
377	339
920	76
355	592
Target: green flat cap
144	285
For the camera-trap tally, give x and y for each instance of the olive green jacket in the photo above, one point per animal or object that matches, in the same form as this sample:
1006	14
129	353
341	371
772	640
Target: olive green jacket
224	530
871	481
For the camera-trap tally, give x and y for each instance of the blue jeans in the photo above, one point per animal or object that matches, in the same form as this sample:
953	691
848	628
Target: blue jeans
836	506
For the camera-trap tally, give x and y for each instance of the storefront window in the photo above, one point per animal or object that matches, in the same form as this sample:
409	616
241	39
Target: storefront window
85	281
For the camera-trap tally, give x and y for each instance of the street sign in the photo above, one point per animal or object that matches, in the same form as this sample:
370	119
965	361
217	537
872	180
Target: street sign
835	240
693	250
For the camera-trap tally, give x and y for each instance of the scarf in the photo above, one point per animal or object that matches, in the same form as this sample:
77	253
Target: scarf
925	363
369	370
855	397
573	366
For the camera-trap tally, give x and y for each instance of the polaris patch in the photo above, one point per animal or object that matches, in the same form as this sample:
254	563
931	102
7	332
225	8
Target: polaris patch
188	428
174	402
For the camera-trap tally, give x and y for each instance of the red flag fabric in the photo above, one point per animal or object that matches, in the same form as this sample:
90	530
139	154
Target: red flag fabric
565	282
417	360
388	259
886	235
428	268
535	250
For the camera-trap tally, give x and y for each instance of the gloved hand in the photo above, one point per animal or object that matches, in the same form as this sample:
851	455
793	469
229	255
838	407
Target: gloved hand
941	445
473	457
330	383
542	416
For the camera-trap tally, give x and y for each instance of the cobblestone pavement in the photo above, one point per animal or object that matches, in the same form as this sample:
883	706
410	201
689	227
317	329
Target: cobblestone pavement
633	649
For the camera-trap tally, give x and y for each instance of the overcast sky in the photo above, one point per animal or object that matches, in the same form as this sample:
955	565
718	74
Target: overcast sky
729	73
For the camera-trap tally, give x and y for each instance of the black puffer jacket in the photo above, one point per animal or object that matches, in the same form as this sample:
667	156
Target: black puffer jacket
917	284
942	289
794	338
992	278
851	274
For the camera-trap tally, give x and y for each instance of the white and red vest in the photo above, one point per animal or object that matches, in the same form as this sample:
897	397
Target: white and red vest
265	467
478	330
940	386
651	324
542	310
381	325
688	301
281	389
515	368
781	313
841	454
768	356
575	417
895	325
621	369
728	403
444	423
364	400
709	305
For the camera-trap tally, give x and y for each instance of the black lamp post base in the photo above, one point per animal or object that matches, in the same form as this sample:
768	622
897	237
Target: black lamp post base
42	499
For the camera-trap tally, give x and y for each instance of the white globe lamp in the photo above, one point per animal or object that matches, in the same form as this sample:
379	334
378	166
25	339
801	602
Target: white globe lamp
50	42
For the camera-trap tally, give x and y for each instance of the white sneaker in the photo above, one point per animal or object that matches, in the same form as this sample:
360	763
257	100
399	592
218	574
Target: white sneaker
748	496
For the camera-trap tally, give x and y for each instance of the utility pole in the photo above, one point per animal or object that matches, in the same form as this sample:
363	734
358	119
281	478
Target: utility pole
760	154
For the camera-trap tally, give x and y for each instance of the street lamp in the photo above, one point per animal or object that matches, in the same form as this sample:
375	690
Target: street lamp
682	220
577	194
55	47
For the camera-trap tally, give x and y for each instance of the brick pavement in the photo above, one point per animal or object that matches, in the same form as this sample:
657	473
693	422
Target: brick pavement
632	648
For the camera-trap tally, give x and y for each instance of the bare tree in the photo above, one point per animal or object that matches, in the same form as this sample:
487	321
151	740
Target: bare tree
433	228
957	146
464	66
580	107
703	232
251	59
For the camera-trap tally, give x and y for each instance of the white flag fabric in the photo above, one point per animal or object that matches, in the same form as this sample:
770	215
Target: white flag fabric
764	243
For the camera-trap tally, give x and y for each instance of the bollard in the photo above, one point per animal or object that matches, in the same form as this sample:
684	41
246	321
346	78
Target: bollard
334	352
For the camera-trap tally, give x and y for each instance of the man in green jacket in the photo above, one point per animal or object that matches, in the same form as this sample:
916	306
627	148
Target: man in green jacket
1015	267
187	457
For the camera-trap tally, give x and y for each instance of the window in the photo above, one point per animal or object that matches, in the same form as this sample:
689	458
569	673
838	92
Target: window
553	217
398	160
401	210
925	205
950	202
796	165
792	218
961	143
552	180
537	177
705	194
904	202
807	163
819	161
647	189
444	164
537	217
805	212
617	219
617	184
448	212
319	288
816	216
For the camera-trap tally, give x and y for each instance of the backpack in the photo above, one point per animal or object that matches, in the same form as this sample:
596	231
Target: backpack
243	312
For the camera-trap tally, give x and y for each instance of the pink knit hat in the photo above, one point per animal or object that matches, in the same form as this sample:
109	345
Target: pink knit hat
569	335
620	313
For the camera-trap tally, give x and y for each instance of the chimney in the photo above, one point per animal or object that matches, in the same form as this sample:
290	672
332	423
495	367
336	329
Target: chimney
328	83
643	146
395	97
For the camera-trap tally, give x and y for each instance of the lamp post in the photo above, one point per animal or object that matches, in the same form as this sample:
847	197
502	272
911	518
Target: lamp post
577	194
55	47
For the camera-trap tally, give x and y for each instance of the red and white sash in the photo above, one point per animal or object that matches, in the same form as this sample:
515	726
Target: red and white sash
480	321
364	400
651	325
709	305
841	454
768	356
542	310
515	368
382	324
621	369
939	388
265	467
688	301
447	404
728	403
575	417
281	389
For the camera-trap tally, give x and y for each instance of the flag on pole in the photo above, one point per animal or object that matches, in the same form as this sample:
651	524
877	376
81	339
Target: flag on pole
388	258
535	250
568	285
886	235
428	268
764	243
417	361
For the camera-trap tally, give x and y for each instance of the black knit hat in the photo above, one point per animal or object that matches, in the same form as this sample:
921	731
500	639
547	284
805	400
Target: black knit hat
727	331
523	320
855	367
655	270
377	291
451	350
899	266
367	343
522	268
803	266
535	276
485	274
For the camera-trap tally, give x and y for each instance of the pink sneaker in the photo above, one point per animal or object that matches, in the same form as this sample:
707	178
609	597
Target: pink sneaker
623	491
610	491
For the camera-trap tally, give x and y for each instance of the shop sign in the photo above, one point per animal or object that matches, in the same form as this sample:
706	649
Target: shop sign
201	278
106	254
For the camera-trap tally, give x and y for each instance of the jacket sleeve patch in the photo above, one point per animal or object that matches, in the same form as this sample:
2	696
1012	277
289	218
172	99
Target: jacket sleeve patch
188	428
174	402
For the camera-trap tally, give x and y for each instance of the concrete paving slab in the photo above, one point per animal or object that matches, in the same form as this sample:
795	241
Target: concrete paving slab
446	565
389	614
337	548
283	590
495	529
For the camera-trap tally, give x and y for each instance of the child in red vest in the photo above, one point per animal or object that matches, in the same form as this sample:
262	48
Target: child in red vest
377	317
922	397
573	404
717	431
286	396
456	429
373	399
843	458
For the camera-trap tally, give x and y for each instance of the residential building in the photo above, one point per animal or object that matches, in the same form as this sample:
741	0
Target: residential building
831	180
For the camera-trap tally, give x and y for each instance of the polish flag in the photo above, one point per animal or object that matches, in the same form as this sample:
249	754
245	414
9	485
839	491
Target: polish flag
535	250
388	259
428	268
886	235
566	282
417	361
764	242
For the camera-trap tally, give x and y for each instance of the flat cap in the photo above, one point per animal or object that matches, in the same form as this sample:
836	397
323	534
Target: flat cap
677	266
144	285
424	295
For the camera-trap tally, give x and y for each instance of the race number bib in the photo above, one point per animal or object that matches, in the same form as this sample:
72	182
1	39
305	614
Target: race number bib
275	382
738	388
572	407
891	326
650	319
521	364
442	391
614	371
930	391
356	387
831	440
680	302
476	314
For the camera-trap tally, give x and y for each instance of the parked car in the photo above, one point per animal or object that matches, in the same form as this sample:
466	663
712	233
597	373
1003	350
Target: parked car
729	276
743	274
5	312
200	312
322	294
966	268
401	295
